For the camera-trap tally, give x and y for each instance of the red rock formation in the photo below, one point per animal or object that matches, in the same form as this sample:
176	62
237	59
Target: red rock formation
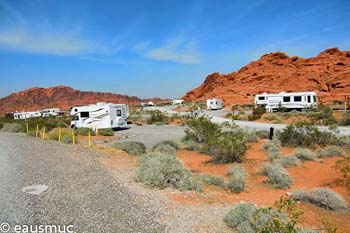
61	97
328	74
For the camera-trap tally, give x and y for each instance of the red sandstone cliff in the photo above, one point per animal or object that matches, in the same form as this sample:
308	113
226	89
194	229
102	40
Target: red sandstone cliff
328	74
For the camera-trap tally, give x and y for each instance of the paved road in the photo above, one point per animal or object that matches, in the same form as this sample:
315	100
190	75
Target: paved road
81	192
152	134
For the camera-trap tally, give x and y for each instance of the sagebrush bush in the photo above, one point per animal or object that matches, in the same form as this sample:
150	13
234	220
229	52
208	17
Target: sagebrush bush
237	178
167	142
132	148
330	151
157	117
213	180
290	161
305	134
240	217
85	132
165	149
265	220
162	171
66	135
328	199
13	128
106	132
274	143
300	195
278	176
304	154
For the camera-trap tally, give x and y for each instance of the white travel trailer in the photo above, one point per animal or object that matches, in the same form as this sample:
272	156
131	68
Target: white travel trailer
100	116
50	112
26	115
177	102
150	103
288	100
214	104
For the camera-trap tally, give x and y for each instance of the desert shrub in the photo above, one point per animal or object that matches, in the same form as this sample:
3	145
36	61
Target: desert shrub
343	141
167	142
239	218
345	119
342	166
269	220
252	137
32	133
13	128
85	132
132	148
272	147
62	124
330	151
165	149
328	199
257	113
67	139
162	171
262	134
190	145
157	117
213	180
290	161
66	135
324	115
1	125
300	195
201	130
237	178
278	176
106	132
304	134
304	154
274	143
271	117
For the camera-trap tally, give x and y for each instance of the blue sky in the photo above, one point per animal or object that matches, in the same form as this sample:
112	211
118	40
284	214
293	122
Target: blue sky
155	48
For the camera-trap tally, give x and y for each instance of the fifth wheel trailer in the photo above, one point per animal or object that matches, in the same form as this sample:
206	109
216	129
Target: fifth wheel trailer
100	116
26	115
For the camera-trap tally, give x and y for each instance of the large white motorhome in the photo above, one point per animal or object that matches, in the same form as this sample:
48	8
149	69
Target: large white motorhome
177	102
214	104
100	116
26	115
288	100
50	112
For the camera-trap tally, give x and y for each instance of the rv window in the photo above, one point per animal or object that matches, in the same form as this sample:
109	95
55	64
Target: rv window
261	97
309	99
286	98
119	112
297	98
84	114
314	99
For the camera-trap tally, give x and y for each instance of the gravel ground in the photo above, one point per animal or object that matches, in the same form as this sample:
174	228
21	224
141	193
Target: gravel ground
81	191
152	134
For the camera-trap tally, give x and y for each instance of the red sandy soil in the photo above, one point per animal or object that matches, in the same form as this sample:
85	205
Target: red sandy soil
307	176
328	74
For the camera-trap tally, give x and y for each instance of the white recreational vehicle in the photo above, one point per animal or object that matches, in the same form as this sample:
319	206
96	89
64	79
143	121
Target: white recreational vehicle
50	112
100	116
214	104
26	115
177	102
288	100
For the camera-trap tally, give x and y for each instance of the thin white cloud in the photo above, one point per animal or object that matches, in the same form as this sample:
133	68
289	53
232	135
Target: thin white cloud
43	43
175	50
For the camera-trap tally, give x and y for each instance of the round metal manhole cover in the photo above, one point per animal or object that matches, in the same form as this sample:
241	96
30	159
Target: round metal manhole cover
35	189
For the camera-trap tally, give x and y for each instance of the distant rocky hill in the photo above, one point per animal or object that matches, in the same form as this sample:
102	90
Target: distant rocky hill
328	74
62	97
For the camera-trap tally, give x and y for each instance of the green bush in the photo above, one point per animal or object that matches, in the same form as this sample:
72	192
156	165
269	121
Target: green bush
106	132
66	135
162	171
324	115
1	125
278	176
165	149
132	148
330	151
240	218
237	178
13	128
345	120
190	145
290	161
270	220
167	142
157	117
213	180
257	113
85	132
304	154
201	130
62	124
328	199
304	134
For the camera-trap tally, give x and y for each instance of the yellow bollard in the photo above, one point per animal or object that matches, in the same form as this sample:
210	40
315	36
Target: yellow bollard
37	131
89	138
59	134
44	133
96	130
73	137
27	127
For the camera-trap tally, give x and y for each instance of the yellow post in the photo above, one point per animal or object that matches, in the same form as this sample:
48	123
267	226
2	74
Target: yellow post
27	127
89	138
44	133
96	130
37	131
73	137
59	134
